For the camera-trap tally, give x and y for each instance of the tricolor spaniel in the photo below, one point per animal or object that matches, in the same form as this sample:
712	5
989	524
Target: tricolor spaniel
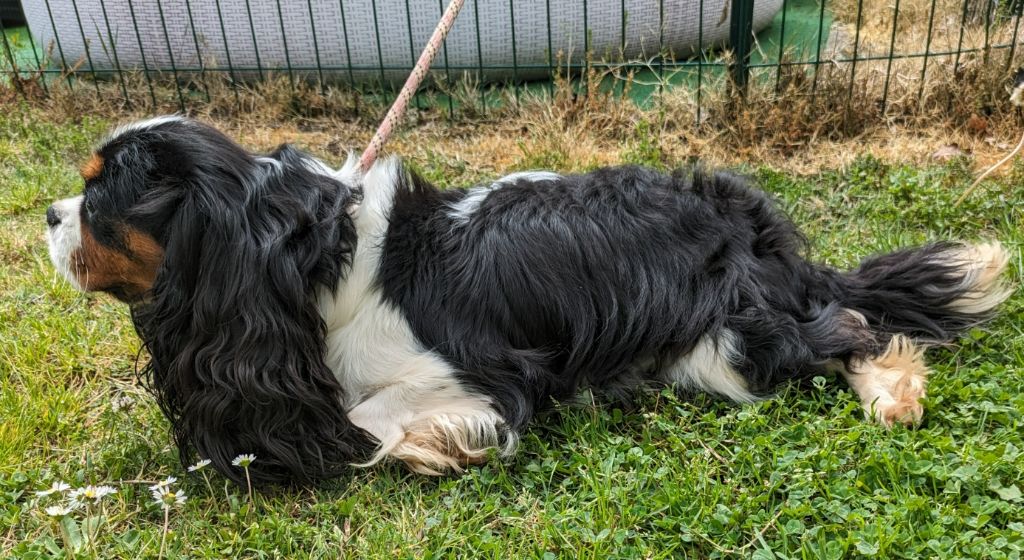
323	318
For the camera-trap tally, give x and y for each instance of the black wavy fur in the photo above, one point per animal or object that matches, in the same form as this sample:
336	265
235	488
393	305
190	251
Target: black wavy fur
576	281
599	279
235	340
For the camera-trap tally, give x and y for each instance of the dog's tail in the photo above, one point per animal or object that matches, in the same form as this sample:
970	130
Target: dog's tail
932	293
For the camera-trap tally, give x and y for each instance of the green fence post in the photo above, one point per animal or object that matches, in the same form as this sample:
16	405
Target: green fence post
741	34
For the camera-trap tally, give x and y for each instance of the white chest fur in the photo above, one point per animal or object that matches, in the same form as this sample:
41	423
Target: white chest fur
407	396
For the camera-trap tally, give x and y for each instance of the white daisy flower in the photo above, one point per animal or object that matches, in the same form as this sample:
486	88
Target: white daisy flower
243	460
91	493
164	483
199	465
59	511
57	487
166	498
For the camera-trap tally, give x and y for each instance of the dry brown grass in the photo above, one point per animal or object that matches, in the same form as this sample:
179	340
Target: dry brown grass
806	124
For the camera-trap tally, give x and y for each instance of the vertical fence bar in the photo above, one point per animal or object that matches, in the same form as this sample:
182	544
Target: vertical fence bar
622	45
817	55
412	51
586	46
853	62
284	41
227	55
480	58
988	31
927	51
142	54
700	57
199	53
255	44
35	55
15	77
447	68
782	44
586	30
515	57
741	33
60	49
88	52
380	52
348	58
661	50
960	41
892	48
551	48
1013	41
316	49
113	49
170	55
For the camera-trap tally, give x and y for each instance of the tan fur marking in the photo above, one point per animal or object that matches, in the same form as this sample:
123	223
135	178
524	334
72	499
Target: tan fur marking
443	444
983	267
891	385
92	168
98	267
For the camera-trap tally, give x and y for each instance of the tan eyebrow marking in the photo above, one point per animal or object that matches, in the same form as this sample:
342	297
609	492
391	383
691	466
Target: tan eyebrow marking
92	168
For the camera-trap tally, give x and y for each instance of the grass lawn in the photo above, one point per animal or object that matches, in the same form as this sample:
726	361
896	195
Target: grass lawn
798	476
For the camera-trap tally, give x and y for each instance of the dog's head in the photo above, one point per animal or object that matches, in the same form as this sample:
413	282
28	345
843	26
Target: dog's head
221	253
113	236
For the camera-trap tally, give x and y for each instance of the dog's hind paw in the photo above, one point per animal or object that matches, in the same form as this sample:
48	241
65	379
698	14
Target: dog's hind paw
892	384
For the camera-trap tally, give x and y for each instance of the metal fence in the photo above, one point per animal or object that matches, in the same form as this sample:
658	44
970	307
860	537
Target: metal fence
161	52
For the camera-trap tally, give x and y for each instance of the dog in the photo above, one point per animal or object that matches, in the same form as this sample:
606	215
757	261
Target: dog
324	318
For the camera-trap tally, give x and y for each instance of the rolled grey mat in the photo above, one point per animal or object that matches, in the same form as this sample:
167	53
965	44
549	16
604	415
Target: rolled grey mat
493	39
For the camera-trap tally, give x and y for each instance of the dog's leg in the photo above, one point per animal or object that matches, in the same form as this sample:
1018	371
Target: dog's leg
432	432
711	366
891	384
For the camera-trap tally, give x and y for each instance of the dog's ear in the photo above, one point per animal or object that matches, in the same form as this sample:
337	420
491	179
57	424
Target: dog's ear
232	326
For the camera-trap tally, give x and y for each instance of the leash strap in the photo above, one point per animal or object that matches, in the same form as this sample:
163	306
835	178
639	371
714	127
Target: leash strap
397	110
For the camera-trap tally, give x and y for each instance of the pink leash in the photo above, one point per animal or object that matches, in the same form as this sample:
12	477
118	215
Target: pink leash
419	72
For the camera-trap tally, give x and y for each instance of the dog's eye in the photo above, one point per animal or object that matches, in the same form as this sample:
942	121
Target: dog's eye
88	207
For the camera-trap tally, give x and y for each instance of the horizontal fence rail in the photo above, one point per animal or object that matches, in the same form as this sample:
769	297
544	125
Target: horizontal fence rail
160	52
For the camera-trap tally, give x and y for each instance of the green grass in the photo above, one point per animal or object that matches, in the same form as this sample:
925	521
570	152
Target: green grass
798	476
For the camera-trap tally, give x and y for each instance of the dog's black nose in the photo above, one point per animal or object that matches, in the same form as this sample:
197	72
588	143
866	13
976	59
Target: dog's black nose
52	217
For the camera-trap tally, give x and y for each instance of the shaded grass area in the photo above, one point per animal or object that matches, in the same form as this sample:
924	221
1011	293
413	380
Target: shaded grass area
798	476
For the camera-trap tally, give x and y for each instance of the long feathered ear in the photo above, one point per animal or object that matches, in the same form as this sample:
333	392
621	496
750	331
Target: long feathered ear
232	327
